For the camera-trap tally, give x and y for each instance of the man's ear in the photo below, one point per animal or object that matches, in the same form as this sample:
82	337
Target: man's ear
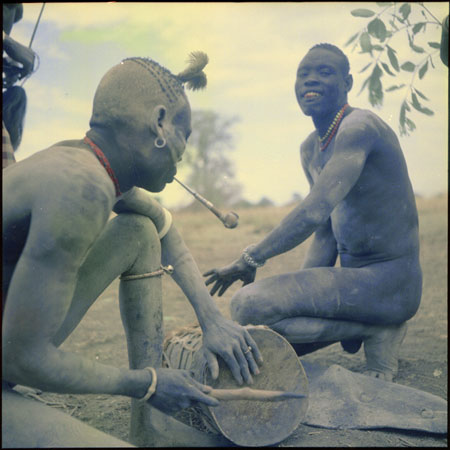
157	120
349	82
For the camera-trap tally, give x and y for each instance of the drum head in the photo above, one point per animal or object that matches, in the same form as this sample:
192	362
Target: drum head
257	423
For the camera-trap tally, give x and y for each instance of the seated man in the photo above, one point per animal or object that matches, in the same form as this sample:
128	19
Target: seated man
60	251
361	207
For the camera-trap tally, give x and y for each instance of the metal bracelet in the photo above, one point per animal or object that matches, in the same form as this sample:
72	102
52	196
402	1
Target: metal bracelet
250	260
152	388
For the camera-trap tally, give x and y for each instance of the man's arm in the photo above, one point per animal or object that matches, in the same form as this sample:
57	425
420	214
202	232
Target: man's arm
221	336
39	296
323	250
341	172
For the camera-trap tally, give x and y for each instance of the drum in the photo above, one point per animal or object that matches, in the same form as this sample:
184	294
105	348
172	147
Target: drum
244	422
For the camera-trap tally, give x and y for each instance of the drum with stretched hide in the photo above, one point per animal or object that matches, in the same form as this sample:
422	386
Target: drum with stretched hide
244	422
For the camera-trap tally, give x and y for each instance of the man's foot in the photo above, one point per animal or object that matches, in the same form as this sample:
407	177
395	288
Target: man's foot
382	349
351	345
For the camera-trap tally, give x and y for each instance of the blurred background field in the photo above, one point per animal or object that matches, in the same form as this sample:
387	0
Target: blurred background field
423	359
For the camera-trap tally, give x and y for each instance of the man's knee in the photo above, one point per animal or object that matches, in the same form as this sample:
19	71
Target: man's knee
244	307
139	230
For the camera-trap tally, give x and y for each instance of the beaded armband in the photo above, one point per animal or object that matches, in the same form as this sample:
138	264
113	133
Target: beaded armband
250	260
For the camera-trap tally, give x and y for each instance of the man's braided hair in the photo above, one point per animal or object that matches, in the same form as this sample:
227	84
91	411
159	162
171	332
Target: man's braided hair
172	85
128	92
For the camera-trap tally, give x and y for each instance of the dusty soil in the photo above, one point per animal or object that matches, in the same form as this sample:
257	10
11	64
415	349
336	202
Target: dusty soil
423	360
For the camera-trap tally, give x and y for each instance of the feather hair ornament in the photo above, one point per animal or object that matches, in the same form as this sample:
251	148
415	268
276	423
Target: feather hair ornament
193	75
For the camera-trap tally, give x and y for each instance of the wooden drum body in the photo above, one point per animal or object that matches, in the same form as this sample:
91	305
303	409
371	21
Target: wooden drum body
246	422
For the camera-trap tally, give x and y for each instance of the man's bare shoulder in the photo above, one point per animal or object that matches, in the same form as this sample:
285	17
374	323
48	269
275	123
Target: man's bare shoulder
307	146
364	121
66	191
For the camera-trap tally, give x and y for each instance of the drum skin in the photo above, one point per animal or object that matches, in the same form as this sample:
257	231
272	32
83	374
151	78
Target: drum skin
258	423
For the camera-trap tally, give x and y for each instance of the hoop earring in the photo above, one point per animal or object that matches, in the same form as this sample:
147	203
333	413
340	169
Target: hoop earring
160	142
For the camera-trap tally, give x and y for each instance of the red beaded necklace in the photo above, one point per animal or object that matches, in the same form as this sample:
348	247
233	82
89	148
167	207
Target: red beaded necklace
332	128
104	160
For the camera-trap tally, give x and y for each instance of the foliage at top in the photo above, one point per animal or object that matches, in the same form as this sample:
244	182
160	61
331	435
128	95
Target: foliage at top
394	19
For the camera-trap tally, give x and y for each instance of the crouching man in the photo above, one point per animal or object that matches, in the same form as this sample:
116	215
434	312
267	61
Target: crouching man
60	251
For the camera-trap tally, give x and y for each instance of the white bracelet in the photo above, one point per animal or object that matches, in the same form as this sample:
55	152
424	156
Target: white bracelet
167	224
152	388
249	260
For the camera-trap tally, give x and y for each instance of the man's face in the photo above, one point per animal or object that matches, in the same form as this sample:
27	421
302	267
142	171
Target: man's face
321	86
177	131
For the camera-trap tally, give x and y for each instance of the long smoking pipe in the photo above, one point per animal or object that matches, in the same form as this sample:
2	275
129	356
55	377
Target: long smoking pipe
230	219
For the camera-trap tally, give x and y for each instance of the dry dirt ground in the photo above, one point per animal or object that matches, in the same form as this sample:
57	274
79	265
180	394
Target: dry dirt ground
423	359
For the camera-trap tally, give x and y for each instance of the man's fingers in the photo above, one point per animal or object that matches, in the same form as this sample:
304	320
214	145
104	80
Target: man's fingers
212	364
215	287
255	350
206	399
243	363
210	272
234	367
225	286
211	280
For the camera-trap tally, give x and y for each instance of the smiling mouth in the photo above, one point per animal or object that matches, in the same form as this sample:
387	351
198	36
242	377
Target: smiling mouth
311	94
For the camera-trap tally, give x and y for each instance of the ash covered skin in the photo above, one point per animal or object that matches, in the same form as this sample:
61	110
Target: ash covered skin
360	208
63	251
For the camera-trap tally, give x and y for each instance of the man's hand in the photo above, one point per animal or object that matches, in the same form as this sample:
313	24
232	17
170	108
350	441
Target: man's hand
225	277
176	390
20	54
234	344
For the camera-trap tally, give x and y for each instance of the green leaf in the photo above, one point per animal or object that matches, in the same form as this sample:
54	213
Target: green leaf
402	118
361	12
377	47
418	26
416	48
415	100
410	124
364	42
405	10
386	69
394	87
434	45
398	18
392	58
366	81
377	28
376	87
408	66
420	94
416	105
351	40
423	70
365	68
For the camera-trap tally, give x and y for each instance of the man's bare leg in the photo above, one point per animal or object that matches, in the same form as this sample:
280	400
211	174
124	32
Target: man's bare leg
130	245
325	305
141	310
28	423
381	343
